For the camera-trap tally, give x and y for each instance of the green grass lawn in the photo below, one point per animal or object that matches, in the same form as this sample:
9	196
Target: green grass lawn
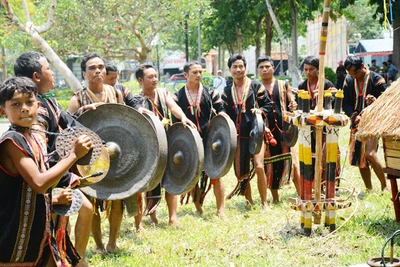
252	237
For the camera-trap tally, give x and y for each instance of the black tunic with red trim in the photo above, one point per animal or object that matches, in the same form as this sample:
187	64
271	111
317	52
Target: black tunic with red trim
243	118
141	101
376	86
210	105
278	96
24	215
353	103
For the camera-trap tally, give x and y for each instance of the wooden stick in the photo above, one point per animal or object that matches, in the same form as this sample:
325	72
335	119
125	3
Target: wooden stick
321	79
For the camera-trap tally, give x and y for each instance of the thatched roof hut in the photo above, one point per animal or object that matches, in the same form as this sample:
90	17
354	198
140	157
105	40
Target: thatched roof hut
382	118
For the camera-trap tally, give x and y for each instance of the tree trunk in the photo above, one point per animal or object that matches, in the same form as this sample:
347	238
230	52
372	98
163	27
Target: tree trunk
239	40
258	41
223	66
231	48
268	34
67	74
293	15
33	32
293	70
4	70
396	40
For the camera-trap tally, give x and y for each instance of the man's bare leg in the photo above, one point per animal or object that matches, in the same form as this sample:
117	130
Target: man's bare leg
261	178
96	230
139	217
248	196
219	197
115	220
196	199
372	158
153	217
82	232
275	195
138	222
366	176
172	203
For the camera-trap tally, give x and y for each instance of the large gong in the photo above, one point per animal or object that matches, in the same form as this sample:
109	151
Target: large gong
162	152
185	159
256	134
133	148
220	144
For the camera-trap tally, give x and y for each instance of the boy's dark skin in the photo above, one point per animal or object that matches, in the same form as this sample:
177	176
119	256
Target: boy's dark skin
19	104
36	67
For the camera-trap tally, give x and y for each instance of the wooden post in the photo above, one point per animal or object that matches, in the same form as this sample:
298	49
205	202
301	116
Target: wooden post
321	79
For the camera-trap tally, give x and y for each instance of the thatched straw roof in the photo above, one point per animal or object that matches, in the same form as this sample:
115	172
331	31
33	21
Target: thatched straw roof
382	118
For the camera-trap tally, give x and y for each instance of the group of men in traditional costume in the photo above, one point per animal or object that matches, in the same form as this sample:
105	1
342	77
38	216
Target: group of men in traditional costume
26	175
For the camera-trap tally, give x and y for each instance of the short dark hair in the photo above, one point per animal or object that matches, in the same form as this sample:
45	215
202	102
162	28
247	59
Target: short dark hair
188	65
236	57
312	60
139	72
86	58
353	61
390	61
28	63
21	84
341	69
110	66
384	63
265	59
374	60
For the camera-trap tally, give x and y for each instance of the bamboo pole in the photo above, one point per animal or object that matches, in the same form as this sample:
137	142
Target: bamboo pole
321	79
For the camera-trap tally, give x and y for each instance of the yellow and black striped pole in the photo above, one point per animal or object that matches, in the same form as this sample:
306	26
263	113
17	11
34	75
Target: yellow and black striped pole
321	82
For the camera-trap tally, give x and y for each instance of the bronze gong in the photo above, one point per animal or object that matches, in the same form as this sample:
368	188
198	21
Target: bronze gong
220	144
133	148
162	152
256	134
185	159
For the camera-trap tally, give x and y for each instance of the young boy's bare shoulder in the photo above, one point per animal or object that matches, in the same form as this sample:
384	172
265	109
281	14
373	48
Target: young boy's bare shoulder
12	144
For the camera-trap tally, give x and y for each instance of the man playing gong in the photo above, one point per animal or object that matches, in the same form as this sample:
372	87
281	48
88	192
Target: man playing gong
200	104
242	99
93	70
159	102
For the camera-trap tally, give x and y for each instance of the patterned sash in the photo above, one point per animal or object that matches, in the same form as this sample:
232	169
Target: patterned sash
361	93
194	105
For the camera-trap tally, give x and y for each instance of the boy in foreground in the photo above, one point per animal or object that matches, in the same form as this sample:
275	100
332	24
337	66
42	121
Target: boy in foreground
25	231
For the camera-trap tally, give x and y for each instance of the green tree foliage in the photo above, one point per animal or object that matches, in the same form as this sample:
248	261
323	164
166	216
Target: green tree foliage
12	40
330	74
363	22
119	29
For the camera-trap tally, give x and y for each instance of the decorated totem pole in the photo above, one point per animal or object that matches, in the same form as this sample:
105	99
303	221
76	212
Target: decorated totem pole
314	198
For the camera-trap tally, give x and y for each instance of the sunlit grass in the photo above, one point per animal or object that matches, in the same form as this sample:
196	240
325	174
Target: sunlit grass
252	237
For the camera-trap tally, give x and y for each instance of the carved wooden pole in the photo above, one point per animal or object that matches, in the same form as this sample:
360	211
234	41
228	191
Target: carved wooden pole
321	79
